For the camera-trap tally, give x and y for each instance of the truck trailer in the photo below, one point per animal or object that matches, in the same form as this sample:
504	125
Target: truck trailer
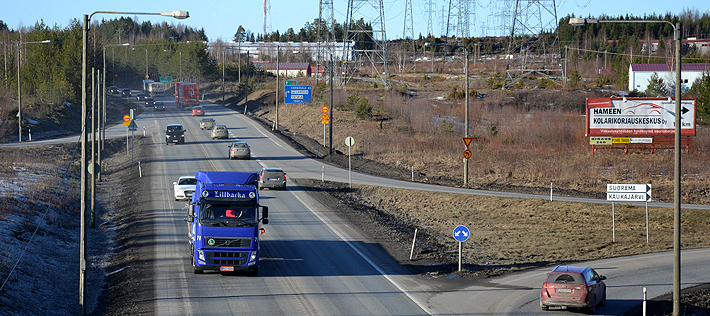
156	89
146	82
186	95
224	221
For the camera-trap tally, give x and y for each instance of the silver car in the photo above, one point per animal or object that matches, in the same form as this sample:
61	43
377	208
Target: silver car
273	178
207	123
220	131
239	150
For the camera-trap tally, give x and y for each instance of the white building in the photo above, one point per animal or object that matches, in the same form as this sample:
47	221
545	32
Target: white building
640	74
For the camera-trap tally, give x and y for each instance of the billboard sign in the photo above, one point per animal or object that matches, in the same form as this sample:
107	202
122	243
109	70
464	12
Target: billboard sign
297	94
638	117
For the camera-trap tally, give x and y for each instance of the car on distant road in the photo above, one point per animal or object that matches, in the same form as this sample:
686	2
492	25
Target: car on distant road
184	187
198	111
126	93
239	149
149	101
140	96
207	123
273	178
575	287
220	131
113	90
159	106
174	133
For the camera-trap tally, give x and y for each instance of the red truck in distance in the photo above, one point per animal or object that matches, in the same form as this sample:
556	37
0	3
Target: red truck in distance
186	95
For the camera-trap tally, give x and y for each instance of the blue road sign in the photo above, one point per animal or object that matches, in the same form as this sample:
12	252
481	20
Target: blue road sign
461	233
297	94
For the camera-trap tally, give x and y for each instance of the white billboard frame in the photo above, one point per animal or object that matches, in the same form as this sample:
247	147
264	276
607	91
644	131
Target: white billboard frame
638	117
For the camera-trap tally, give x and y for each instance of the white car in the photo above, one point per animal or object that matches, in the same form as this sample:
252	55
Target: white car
184	188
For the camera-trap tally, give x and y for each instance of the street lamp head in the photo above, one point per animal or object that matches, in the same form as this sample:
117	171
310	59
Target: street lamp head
176	14
582	21
46	41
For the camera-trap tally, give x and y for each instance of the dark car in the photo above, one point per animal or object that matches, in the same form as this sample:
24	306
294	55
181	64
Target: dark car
274	178
149	101
576	287
126	93
113	90
174	133
159	106
140	96
239	150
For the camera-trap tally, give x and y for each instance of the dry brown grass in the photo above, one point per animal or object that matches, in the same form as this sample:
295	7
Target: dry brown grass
512	231
527	143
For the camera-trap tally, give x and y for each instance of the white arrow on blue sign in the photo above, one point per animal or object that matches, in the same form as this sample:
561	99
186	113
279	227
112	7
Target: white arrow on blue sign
461	233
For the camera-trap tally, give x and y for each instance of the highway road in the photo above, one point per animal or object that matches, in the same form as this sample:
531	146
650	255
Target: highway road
314	263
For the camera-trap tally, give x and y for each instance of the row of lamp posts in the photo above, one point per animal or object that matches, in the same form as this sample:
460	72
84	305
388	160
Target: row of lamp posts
82	248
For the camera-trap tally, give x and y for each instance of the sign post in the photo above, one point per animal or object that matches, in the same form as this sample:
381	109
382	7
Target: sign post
349	141
627	193
460	234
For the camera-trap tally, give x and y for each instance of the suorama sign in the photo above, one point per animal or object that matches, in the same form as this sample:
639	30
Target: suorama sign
638	117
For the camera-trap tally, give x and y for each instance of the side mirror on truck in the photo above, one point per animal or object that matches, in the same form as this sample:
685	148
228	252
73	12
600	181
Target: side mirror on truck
265	214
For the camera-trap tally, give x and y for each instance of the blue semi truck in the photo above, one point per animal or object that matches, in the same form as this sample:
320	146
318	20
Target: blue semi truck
224	220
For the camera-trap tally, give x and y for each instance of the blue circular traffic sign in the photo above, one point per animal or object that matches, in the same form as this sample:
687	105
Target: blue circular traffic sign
461	233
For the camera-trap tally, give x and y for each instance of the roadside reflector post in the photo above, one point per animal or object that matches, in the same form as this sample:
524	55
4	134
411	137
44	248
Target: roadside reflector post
644	301
550	191
412	173
414	240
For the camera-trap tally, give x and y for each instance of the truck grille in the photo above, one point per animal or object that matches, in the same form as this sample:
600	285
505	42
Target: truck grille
225	242
226	258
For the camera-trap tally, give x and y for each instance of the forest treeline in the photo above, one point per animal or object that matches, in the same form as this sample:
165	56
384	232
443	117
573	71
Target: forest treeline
51	72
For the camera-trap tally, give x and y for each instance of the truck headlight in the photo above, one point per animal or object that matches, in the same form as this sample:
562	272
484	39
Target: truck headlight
252	257
201	255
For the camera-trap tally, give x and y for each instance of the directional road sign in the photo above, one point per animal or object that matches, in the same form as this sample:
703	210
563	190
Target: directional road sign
297	94
628	192
461	233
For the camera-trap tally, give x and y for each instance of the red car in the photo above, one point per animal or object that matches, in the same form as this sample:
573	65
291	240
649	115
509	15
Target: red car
198	111
570	286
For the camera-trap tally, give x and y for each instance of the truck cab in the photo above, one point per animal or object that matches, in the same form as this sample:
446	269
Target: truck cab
224	222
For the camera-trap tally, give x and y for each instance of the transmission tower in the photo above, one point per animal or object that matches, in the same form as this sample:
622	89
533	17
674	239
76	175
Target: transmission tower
534	44
408	32
459	18
443	16
430	12
326	37
267	17
370	42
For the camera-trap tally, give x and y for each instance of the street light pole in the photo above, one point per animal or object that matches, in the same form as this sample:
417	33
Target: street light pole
84	44
278	85
465	127
676	150
19	87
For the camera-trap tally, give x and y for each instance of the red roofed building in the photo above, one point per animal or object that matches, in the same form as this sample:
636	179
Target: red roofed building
640	74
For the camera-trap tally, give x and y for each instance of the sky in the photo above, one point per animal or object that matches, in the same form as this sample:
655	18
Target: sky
220	19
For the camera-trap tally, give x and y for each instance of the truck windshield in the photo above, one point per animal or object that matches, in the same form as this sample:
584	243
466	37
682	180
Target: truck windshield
228	215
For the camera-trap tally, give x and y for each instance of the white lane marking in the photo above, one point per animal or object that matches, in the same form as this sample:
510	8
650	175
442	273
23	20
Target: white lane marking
362	255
